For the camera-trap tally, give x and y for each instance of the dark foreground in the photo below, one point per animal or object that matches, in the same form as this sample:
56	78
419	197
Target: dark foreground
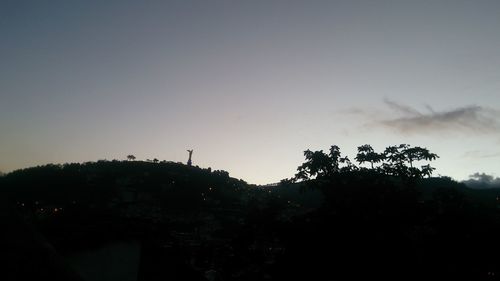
166	221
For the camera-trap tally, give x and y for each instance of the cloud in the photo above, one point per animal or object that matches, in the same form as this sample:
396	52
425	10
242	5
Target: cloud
482	181
468	119
402	108
480	154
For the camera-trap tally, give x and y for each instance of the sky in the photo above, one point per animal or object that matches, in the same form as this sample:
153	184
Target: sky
249	85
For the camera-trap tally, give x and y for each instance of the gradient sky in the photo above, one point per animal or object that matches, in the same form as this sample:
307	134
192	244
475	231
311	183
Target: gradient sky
249	85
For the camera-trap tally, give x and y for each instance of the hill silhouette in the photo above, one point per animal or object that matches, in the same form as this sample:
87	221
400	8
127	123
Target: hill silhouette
106	182
332	221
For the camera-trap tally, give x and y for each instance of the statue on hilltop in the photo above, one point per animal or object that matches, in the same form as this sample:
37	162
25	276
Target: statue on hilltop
189	163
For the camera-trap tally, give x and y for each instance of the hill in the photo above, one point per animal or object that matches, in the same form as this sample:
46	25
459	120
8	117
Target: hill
198	224
105	183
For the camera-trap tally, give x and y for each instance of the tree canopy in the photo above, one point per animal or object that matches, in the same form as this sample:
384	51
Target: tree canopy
397	160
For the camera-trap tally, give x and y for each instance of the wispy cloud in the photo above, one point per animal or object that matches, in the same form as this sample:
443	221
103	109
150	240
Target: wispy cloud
482	181
480	154
404	109
468	119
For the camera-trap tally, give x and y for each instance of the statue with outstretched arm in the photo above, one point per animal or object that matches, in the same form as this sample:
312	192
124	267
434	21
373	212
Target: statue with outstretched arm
190	154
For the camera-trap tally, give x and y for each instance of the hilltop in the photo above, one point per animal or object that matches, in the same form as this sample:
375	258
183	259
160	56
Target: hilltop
106	182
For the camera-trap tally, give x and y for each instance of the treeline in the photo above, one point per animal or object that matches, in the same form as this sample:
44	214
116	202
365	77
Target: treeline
395	161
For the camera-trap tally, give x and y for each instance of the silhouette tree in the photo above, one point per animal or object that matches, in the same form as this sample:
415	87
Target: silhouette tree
156	160
367	154
348	165
130	157
418	153
427	170
334	158
398	156
319	164
395	155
